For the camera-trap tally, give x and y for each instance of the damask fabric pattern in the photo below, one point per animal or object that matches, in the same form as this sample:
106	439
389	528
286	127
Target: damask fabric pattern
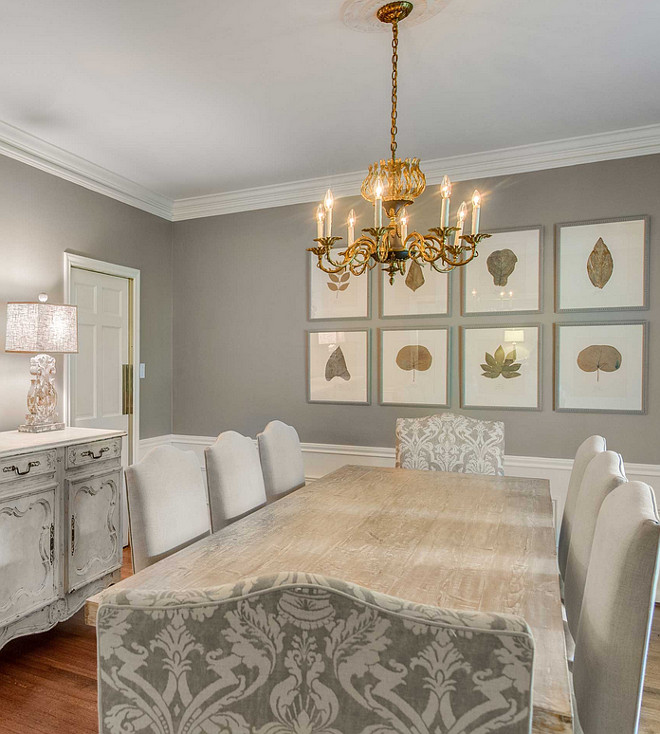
304	654
449	442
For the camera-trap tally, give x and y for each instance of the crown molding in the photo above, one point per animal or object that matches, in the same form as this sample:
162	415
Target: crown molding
34	151
29	149
628	143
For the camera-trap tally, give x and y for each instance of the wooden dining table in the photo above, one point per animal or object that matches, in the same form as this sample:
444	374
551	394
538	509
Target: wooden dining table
460	541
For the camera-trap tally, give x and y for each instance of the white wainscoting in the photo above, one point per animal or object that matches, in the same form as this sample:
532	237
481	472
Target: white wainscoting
321	458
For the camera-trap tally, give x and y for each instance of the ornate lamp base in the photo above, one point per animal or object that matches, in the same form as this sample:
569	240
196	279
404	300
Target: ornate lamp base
42	398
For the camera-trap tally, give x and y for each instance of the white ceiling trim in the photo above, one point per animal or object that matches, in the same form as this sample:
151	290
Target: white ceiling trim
504	161
33	151
22	146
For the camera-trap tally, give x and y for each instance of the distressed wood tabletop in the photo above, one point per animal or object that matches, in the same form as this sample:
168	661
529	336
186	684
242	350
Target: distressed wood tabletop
462	541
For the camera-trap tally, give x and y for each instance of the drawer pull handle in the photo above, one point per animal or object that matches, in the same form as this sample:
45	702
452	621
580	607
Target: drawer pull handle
104	450
73	534
20	473
52	544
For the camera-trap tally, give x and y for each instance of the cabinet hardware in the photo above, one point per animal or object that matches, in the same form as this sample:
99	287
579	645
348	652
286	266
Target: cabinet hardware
52	543
95	456
20	473
73	534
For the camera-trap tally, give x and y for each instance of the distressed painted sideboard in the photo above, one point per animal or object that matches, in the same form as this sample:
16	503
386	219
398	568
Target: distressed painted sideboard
60	524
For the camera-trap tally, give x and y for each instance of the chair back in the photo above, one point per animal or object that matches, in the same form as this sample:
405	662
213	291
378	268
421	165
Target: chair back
589	448
449	442
299	652
281	459
233	475
167	504
617	611
603	474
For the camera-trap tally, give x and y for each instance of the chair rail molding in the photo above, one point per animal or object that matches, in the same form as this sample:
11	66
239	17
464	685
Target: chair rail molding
34	151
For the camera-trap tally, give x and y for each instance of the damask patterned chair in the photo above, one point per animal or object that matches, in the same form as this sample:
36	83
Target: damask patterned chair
303	653
281	459
449	442
234	478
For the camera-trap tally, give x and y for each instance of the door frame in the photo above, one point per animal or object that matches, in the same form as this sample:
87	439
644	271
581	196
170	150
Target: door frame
72	260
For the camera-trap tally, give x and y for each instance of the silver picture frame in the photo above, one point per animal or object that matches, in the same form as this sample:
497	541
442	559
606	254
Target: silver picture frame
539	368
645	278
311	267
448	363
644	361
540	290
384	283
368	350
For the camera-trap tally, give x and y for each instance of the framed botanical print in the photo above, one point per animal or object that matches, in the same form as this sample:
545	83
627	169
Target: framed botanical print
337	296
339	366
501	367
414	367
601	367
422	291
506	277
602	265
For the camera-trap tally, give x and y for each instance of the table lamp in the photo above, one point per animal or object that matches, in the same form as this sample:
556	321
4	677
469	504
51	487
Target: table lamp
43	329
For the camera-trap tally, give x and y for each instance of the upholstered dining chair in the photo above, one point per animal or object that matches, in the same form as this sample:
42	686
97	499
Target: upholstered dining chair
299	652
589	448
449	442
233	475
167	504
617	611
603	475
281	459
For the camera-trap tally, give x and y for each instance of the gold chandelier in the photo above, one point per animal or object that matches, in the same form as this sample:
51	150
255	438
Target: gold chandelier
394	184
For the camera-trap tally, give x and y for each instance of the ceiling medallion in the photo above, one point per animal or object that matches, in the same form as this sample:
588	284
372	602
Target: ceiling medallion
394	184
361	15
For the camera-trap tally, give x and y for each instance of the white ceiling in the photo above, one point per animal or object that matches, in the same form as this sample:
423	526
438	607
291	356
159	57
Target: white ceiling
205	96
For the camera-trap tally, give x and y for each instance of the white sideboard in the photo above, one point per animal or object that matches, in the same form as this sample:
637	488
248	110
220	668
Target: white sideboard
60	524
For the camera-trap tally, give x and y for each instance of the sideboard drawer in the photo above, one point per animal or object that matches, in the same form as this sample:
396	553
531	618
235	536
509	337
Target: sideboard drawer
27	466
94	451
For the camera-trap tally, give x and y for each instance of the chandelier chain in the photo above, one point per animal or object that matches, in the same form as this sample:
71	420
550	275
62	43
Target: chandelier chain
395	71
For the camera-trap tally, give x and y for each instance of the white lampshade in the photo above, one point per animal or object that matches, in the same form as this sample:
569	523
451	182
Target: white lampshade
42	328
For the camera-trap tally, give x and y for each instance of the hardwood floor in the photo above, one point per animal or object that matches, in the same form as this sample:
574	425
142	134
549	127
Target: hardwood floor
48	681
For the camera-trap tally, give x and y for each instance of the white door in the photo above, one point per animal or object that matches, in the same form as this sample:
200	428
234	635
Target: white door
97	372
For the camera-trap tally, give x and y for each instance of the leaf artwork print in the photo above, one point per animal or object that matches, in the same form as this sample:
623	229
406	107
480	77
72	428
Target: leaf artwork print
338	282
415	278
502	364
336	366
413	358
600	264
599	358
500	264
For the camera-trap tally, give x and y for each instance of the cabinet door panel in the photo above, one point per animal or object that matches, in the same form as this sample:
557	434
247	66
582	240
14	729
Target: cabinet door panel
94	546
27	553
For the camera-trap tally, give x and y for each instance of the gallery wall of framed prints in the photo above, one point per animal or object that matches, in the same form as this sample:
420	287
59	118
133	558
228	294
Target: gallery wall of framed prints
591	366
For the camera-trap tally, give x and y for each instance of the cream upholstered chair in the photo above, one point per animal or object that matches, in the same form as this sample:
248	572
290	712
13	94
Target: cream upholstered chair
450	442
589	448
167	504
603	474
281	459
304	653
233	475
615	624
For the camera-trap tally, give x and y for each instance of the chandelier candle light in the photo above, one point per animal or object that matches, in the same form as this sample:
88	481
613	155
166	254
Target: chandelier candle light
393	185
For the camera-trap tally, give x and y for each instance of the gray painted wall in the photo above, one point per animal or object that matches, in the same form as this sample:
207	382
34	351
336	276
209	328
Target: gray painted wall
41	216
240	314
